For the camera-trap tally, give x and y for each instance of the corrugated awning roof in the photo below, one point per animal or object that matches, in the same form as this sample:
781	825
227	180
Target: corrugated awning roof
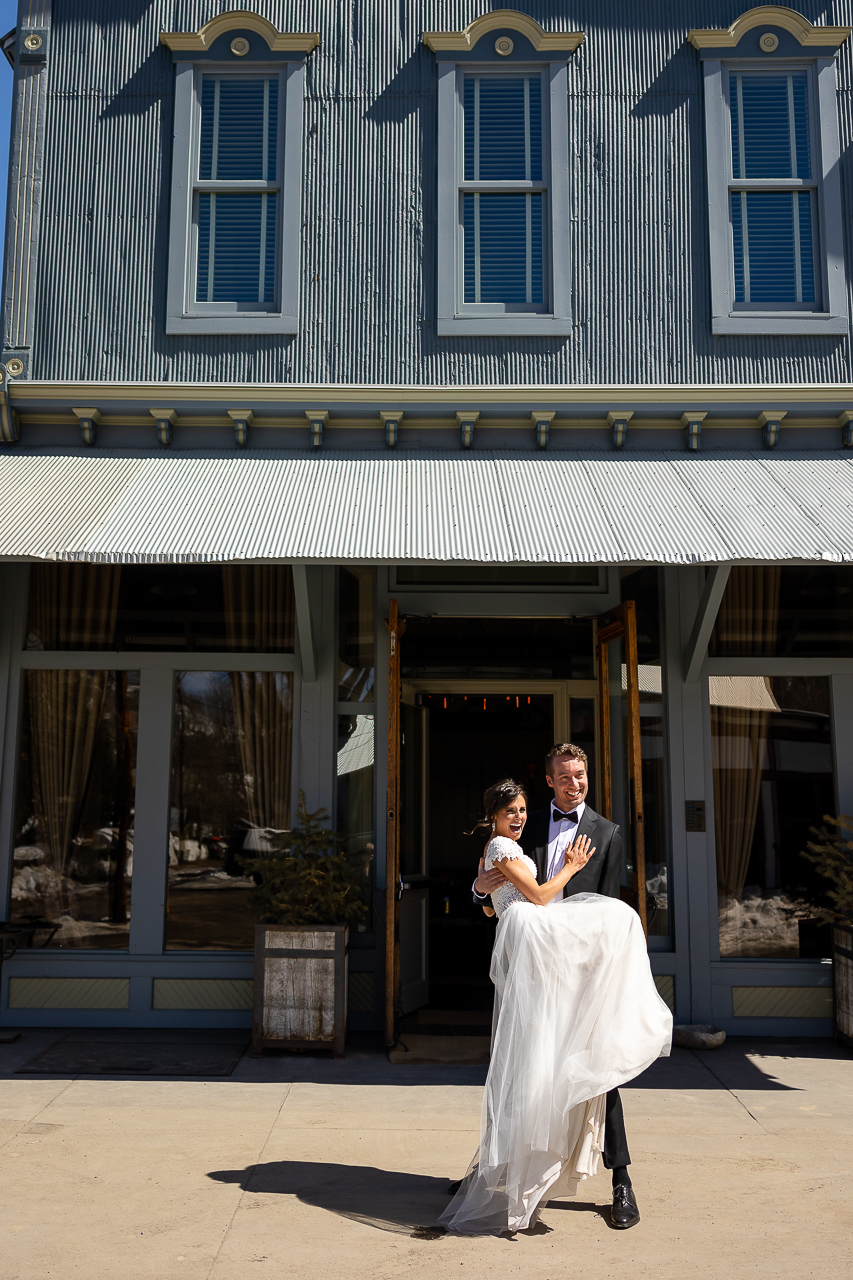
388	508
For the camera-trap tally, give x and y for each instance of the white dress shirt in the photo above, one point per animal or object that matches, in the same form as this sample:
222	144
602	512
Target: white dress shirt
561	833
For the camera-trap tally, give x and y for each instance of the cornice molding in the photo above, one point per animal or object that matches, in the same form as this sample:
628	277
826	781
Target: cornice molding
769	15
676	394
240	20
503	19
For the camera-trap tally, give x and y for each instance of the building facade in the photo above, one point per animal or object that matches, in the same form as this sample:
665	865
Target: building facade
387	393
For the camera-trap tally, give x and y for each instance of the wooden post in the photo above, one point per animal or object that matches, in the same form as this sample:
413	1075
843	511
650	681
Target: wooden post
624	627
635	759
392	858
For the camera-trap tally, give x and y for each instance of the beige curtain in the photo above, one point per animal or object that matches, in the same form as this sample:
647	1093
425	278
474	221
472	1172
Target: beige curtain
70	606
259	619
747	625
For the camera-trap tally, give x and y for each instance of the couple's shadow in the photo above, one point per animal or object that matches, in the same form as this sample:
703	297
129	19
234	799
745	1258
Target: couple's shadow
405	1203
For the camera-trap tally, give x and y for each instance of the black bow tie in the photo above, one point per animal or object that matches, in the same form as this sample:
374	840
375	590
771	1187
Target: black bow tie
558	813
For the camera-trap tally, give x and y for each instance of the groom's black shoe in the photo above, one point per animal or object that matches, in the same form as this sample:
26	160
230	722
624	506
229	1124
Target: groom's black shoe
624	1212
454	1187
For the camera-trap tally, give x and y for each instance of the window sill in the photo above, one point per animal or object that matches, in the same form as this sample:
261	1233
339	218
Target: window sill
230	324
517	326
792	322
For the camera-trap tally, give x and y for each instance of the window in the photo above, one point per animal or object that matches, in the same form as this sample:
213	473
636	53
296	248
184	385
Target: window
236	192
502	229
503	200
774	198
773	781
235	200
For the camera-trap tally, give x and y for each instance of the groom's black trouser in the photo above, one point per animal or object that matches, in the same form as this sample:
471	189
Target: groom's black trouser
615	1142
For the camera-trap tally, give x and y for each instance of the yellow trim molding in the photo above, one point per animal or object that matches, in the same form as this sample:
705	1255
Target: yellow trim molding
240	20
769	15
501	19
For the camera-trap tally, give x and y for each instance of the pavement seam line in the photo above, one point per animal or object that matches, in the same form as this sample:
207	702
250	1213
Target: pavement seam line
251	1173
732	1093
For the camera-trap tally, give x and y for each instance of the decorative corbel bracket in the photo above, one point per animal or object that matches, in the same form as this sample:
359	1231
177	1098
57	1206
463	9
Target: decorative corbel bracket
10	423
542	419
88	419
467	420
618	420
692	423
165	419
391	419
317	419
770	421
242	419
845	422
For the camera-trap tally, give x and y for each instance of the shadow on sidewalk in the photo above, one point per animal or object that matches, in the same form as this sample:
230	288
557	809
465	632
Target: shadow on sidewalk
404	1203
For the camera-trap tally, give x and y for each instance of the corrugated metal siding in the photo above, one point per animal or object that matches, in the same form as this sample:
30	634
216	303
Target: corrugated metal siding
367	305
489	509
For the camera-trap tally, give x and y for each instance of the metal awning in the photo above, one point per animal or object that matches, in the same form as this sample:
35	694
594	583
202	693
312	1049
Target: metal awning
384	508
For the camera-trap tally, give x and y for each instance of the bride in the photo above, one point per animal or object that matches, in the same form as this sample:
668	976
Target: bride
576	1014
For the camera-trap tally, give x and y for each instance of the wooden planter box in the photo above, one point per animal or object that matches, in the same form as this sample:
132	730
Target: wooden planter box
300	987
842	981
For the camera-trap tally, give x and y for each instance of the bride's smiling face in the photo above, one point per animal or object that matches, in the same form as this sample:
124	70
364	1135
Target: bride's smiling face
510	821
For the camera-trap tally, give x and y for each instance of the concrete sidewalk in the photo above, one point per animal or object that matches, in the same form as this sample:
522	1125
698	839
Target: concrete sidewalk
310	1168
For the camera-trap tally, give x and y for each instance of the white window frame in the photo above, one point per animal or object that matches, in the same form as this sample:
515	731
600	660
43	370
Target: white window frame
829	314
184	313
454	315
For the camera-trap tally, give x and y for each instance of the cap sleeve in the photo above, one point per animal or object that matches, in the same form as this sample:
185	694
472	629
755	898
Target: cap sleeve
502	849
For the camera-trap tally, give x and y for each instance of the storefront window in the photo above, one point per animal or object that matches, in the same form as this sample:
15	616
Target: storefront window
189	608
773	780
355	638
231	768
73	855
790	611
355	793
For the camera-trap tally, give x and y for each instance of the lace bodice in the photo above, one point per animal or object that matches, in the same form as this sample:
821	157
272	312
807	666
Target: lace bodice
498	850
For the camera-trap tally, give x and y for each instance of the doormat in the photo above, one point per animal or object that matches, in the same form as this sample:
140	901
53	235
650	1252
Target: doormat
154	1054
460	1051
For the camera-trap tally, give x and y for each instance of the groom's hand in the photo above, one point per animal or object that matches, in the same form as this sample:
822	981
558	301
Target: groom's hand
488	881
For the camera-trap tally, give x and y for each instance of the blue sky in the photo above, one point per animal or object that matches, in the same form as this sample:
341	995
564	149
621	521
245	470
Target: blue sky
8	18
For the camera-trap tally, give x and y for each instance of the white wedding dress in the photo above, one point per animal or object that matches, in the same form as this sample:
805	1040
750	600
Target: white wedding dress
576	1014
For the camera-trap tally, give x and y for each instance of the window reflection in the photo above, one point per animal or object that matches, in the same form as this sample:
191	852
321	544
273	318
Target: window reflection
784	611
773	780
73	855
355	791
355	643
231	769
232	608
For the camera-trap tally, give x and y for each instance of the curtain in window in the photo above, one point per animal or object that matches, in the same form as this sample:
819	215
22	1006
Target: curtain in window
750	611
66	707
259	617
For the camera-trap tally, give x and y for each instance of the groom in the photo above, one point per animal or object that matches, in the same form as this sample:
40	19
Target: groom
545	838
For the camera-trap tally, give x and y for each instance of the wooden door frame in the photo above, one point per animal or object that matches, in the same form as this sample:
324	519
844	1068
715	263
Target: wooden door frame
622	624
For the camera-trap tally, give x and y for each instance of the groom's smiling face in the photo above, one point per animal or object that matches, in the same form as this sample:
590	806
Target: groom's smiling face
569	782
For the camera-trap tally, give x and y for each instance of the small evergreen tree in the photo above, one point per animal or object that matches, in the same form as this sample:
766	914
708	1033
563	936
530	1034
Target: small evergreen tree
306	877
832	854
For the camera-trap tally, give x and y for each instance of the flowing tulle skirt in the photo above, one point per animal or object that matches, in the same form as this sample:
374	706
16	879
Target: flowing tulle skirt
577	1013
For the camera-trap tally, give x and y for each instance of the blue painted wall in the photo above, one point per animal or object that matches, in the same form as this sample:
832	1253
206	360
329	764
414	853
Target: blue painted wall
368	254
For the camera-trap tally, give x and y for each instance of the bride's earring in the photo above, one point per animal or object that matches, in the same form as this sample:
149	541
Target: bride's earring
493	828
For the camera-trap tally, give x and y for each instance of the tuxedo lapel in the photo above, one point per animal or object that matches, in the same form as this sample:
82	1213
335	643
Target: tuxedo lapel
587	826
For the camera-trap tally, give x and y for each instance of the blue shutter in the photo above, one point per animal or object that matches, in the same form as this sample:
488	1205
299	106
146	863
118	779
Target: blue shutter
503	230
503	247
772	231
773	249
237	230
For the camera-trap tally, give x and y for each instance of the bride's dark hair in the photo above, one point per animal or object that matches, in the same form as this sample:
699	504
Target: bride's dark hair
497	797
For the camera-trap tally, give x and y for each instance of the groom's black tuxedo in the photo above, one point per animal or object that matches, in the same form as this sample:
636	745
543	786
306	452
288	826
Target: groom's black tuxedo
603	871
600	875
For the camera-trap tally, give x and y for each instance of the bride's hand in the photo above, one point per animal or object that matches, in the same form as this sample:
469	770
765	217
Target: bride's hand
578	854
